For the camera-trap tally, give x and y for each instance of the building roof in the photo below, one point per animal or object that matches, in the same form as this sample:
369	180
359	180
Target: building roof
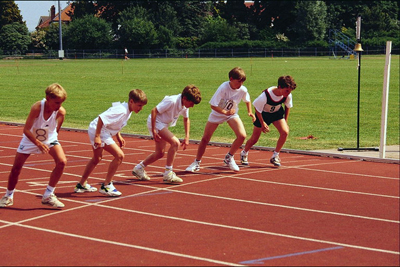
45	21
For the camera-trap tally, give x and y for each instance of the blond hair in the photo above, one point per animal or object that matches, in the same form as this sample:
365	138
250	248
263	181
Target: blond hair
56	91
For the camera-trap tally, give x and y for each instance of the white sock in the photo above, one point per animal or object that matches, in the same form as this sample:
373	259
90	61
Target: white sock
244	153
168	169
141	165
10	193
49	190
275	154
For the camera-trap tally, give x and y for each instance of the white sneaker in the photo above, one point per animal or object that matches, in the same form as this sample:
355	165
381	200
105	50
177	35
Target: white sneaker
194	167
6	202
244	158
171	177
53	201
140	173
232	164
82	189
109	190
276	161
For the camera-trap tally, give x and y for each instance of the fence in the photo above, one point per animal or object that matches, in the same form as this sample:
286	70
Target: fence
198	53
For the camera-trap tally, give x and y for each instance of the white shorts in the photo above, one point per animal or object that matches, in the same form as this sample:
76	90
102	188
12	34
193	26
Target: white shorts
219	119
159	127
27	147
106	138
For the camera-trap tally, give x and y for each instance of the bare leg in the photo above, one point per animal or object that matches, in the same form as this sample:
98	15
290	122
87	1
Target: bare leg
19	162
208	132
97	156
283	130
237	126
253	138
61	161
118	154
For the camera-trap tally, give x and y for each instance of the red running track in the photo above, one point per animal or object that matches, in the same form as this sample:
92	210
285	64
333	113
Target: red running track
311	211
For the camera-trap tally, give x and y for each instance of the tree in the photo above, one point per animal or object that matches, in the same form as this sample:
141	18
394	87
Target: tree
9	13
88	32
14	37
311	21
218	30
136	30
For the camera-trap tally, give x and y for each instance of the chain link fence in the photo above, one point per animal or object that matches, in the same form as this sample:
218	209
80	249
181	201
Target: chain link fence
187	53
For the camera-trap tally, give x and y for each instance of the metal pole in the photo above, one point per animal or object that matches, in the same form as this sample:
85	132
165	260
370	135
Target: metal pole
358	101
60	51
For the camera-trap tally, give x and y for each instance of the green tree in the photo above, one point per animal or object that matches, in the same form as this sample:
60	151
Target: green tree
9	13
136	29
14	37
218	30
311	22
88	32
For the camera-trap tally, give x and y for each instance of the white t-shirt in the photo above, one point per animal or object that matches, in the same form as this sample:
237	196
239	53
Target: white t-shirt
169	110
227	98
114	118
261	105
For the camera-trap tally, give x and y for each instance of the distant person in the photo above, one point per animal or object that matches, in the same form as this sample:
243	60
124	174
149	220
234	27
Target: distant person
163	116
126	54
40	135
224	108
269	109
101	132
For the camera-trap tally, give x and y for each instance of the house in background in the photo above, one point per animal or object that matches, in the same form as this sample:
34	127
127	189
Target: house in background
45	21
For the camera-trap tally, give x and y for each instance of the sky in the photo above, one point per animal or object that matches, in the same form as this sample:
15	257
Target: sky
32	10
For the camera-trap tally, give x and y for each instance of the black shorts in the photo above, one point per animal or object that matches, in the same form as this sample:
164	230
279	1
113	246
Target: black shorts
270	117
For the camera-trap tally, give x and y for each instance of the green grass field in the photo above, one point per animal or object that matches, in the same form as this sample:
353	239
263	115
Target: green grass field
325	101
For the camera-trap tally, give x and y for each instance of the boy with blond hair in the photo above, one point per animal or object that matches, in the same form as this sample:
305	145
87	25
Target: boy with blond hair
40	135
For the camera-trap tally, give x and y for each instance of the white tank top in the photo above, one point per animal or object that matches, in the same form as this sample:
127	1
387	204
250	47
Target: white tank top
45	130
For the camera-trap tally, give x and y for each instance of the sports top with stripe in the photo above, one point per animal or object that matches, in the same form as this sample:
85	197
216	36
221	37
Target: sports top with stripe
270	106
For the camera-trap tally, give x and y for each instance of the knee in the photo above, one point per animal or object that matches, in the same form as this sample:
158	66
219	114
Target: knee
61	163
159	154
120	157
175	145
241	137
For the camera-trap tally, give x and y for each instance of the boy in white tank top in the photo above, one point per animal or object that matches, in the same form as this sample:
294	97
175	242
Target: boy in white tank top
40	136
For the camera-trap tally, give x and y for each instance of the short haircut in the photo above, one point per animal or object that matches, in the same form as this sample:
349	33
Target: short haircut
192	94
138	95
56	91
237	73
287	82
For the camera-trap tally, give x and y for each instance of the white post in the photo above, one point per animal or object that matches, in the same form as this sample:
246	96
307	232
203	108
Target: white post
385	98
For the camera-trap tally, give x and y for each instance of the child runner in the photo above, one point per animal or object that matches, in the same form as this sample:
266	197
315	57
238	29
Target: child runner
224	105
40	136
165	115
101	132
269	109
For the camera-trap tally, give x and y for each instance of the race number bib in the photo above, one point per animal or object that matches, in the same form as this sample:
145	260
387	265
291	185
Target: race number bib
271	109
41	134
226	104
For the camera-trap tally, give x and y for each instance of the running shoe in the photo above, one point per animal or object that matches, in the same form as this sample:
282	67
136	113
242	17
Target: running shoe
109	190
244	158
140	173
171	177
82	189
231	164
276	161
6	202
194	167
53	201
